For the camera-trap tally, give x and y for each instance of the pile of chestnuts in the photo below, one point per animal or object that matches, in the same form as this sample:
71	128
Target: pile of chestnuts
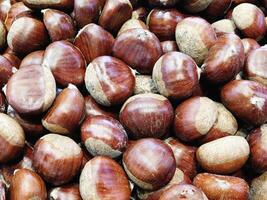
133	99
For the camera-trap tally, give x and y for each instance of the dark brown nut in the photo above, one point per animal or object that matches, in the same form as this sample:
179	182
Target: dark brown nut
31	90
217	8
67	192
140	13
195	6
34	58
164	3
65	5
144	84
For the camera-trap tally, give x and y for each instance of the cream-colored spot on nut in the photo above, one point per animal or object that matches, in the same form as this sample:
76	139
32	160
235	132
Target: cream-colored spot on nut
264	136
258	102
223	184
99	148
11	131
3	33
50	88
243	15
55	128
206	115
224	25
198	5
258	189
54	193
38	2
144	84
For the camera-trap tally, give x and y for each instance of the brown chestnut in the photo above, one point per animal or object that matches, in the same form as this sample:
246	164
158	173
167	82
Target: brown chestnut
169	46
239	94
103	136
195	6
144	84
103	178
5	5
258	187
60	26
249	45
65	5
6	70
149	163
162	22
175	75
140	13
67	192
131	24
26	185
164	3
146	115
57	158
34	58
217	8
13	59
66	113
65	60
12	138
109	80
224	26
139	48
194	37
218	187
94	41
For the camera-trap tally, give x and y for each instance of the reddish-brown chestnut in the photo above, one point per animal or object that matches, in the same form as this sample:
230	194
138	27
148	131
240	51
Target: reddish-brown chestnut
144	84
217	8
66	113
103	178
162	22
149	163
6	70
13	59
34	58
57	158
195	6
164	3
31	90
139	48
60	26
65	60
249	45
109	80
67	192
218	187
240	94
5	5
146	115
140	13
194	37
12	138
94	41
26	185
258	187
65	5
175	75
103	136
252	25
168	46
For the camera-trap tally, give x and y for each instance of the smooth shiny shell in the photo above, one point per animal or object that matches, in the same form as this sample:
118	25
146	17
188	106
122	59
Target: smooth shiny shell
94	41
25	39
146	115
103	178
104	136
26	185
149	163
164	3
65	60
240	94
31	90
218	187
217	8
57	158
258	187
60	26
195	6
256	65
12	138
223	156
162	22
175	75
109	80
194	118
34	58
194	37
6	70
139	48
67	192
65	5
66	113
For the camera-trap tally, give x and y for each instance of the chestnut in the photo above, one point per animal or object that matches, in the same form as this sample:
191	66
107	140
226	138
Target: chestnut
255	65
5	5
103	136
103	178
6	70
13	59
194	37
26	41
67	192
34	58
164	3
146	115
169	46
144	84
86	12
12	138
109	80
114	14
249	45
131	24
64	60
224	26
3	103
252	25
57	158
139	48
225	59
239	94
65	5
224	155
140	14
162	22
194	118
66	112
217	8
183	191
185	157
93	41
222	187
31	90
175	75
257	142
149	163
195	6
258	187
60	26
27	184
